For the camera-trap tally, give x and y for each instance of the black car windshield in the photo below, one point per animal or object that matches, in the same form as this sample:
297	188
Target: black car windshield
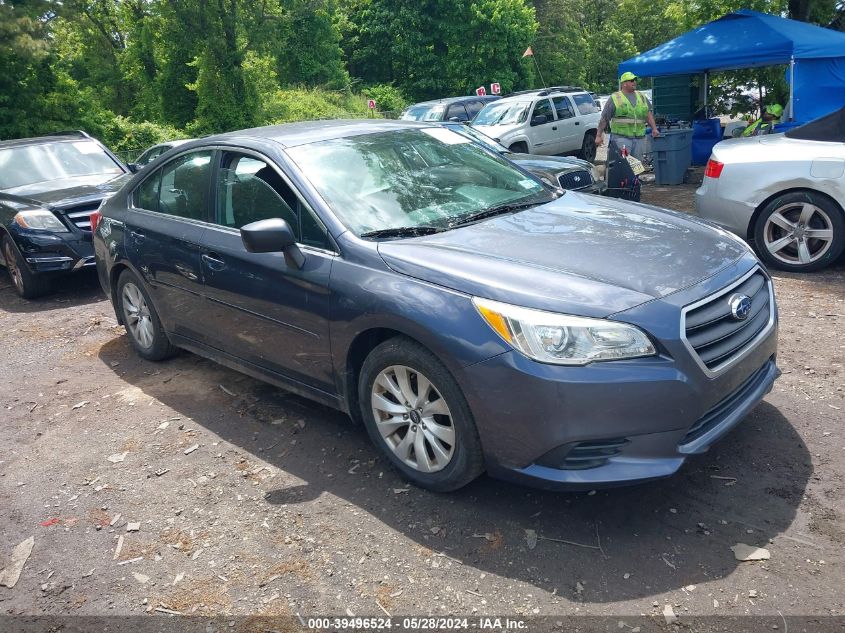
480	137
502	113
25	165
432	177
430	112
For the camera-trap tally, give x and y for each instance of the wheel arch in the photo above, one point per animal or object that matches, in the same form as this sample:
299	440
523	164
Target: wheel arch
749	231
360	347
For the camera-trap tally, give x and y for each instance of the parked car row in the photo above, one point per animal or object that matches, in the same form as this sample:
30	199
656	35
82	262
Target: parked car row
556	120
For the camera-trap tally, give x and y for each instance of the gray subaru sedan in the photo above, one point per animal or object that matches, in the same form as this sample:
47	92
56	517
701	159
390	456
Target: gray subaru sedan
471	318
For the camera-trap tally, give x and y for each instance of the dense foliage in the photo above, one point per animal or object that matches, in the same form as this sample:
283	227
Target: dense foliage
137	71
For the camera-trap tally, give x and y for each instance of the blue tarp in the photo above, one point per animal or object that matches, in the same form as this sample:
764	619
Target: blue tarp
747	39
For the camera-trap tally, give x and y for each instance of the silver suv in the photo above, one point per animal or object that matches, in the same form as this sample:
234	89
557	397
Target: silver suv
557	120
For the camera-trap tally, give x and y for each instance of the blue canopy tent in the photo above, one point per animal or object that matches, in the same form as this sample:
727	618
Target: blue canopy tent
747	39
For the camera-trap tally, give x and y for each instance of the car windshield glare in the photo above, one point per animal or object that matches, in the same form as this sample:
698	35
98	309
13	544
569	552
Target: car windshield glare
44	162
430	177
502	113
424	113
480	137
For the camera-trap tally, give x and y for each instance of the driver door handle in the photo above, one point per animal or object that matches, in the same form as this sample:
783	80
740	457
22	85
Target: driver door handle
137	236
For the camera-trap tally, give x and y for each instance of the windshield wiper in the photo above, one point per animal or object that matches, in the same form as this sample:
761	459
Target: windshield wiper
403	231
500	209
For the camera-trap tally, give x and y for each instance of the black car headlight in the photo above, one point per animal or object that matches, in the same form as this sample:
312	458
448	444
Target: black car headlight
40	220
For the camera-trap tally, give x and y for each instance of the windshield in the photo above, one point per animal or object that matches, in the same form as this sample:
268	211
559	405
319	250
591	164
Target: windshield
424	113
45	162
499	113
430	177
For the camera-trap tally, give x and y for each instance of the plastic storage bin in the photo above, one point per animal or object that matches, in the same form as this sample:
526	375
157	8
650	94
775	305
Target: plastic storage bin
671	153
705	134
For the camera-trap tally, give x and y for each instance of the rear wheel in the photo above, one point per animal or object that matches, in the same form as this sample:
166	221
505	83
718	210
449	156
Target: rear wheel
141	319
417	415
27	284
588	147
801	231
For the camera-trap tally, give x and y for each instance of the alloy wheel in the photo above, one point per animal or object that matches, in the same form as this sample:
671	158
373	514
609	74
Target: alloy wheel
413	418
137	314
798	233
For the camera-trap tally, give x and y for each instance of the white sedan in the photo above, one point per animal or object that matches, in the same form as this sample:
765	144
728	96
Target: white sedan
783	193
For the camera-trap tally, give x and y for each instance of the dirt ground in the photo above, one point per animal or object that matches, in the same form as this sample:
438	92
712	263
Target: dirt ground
251	501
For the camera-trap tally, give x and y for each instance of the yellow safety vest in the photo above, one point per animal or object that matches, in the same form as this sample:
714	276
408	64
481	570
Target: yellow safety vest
629	120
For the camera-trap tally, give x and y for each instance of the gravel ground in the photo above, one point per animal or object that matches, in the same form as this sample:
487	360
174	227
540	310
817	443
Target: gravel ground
250	501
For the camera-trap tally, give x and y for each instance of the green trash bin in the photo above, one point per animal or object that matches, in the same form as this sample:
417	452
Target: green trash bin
671	154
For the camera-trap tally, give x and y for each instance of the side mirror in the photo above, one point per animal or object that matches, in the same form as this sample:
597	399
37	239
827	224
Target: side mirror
133	168
272	236
539	119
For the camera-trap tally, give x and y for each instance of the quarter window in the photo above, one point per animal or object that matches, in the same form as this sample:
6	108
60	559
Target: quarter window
585	104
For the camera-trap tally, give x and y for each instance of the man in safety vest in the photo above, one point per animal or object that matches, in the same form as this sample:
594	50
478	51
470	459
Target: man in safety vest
627	112
766	123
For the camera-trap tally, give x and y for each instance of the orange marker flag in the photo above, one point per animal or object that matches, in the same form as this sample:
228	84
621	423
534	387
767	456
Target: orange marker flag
528	52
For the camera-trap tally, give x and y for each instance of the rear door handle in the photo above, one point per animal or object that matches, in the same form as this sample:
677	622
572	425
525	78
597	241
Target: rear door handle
554	127
211	260
577	122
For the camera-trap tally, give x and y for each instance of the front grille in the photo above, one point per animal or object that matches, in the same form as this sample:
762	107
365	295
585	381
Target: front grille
575	179
726	406
80	215
715	335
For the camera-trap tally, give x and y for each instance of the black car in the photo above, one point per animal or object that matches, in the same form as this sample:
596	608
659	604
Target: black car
49	186
566	172
449	109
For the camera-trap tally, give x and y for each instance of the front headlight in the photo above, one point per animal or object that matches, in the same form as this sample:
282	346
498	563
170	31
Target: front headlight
562	339
41	220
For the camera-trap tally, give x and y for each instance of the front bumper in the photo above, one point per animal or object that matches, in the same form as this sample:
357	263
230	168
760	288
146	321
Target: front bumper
612	423
47	253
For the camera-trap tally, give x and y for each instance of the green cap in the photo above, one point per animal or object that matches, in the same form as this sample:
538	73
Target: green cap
775	109
629	76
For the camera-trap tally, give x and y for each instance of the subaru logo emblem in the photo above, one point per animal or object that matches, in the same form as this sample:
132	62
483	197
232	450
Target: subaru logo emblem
740	306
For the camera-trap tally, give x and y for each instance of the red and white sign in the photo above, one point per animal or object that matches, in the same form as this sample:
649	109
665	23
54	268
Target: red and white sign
481	91
495	89
371	104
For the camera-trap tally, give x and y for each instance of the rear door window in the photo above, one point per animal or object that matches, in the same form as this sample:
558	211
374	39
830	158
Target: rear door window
457	111
563	107
184	186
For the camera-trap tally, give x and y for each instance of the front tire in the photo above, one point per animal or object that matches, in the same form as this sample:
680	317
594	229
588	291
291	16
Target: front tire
802	231
519	148
418	417
27	284
141	319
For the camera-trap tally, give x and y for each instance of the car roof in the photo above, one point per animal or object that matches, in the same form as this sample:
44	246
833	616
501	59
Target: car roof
544	92
304	132
447	100
58	137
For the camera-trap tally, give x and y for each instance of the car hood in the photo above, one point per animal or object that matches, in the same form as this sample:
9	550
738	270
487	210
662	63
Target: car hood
578	254
551	163
498	131
67	191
